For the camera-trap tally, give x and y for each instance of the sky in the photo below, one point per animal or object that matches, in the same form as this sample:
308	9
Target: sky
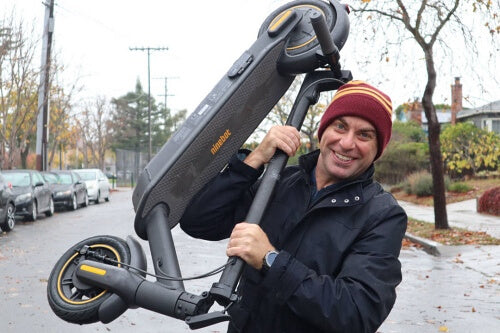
92	38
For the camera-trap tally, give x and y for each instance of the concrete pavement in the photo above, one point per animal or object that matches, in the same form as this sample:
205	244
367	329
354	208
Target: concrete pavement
460	214
457	289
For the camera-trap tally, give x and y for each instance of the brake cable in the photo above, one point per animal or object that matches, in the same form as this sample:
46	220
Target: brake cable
85	251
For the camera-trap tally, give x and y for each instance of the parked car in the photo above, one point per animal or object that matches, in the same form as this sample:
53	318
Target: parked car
97	184
32	193
7	206
68	188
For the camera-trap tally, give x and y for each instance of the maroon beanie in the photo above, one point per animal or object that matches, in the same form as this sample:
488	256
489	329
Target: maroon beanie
359	99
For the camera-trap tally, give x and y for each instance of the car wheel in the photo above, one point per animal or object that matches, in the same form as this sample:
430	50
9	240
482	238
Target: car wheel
98	198
34	211
74	204
10	218
85	200
108	197
50	212
69	298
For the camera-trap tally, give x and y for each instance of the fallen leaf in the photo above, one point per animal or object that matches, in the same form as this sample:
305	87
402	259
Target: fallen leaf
443	329
473	309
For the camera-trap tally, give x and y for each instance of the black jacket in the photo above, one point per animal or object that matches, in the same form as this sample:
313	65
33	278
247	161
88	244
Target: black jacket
338	265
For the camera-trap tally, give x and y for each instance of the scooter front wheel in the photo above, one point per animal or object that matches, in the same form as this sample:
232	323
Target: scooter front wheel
69	298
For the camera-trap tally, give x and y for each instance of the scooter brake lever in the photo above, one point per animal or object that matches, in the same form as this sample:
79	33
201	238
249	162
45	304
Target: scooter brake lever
206	319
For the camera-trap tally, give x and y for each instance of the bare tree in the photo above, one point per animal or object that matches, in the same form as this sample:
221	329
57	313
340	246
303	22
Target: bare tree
423	23
18	90
280	112
94	124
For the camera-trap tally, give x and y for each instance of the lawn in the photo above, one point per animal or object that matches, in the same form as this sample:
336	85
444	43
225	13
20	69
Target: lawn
452	236
478	187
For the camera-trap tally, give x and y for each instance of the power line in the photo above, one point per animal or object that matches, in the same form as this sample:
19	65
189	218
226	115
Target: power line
148	50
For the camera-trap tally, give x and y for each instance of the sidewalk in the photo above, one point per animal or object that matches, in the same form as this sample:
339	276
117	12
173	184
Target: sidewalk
460	214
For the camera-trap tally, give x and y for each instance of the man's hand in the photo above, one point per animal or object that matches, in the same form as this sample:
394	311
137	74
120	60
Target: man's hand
249	242
286	138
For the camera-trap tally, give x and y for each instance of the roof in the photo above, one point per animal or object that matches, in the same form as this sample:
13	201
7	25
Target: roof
493	107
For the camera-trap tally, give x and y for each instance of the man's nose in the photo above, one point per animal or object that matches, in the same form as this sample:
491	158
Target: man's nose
347	140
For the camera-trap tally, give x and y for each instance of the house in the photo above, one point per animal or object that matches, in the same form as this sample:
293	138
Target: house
485	117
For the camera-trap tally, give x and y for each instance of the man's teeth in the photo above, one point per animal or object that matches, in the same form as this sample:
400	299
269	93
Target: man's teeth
342	157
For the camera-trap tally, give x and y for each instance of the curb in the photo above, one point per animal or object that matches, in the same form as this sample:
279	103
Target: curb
429	246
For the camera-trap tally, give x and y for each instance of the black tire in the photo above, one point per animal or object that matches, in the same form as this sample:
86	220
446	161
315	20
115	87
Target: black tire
81	306
108	197
74	204
34	211
10	218
51	210
98	198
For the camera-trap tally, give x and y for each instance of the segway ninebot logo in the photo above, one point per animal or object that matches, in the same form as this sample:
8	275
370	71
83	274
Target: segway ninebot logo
220	142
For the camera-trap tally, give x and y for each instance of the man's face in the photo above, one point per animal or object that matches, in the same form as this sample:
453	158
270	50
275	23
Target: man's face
347	148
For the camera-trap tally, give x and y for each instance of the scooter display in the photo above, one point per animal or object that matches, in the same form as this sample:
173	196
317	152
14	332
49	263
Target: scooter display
101	277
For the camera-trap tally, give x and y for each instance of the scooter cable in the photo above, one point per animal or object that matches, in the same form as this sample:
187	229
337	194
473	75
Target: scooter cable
168	277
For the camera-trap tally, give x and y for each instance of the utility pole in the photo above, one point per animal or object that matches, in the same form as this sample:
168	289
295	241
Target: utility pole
166	87
42	124
149	49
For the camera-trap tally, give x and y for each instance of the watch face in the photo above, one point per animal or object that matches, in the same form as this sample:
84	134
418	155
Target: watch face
270	257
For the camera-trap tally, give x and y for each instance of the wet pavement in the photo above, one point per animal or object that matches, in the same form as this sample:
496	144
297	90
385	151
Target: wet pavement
460	214
458	291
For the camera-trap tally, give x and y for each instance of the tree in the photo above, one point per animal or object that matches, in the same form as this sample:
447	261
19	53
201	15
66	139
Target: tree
467	148
18	91
130	120
94	126
423	22
279	115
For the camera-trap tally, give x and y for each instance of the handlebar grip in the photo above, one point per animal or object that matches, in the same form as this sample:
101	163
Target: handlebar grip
323	34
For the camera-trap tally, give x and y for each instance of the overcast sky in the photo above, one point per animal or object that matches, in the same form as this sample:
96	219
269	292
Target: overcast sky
204	38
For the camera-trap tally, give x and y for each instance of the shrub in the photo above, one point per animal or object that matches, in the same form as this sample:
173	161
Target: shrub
459	187
401	159
420	184
468	149
489	202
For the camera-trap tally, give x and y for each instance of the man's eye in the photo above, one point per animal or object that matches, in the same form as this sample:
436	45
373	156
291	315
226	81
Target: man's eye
367	135
339	126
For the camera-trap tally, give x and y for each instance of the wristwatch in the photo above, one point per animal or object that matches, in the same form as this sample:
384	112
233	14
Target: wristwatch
268	260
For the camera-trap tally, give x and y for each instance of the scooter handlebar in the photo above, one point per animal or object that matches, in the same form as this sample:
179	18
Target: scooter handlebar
323	34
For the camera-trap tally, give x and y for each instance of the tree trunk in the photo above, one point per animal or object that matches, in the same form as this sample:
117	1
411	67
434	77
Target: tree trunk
440	215
24	158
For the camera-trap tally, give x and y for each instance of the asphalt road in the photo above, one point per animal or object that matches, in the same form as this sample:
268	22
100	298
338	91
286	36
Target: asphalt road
28	253
457	292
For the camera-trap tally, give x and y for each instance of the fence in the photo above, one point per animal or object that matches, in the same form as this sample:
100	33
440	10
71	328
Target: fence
129	165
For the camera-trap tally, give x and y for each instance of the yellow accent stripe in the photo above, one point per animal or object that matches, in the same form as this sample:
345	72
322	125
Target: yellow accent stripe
283	17
366	91
273	24
94	270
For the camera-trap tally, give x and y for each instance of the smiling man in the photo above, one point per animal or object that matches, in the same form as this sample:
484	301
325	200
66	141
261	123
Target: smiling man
325	255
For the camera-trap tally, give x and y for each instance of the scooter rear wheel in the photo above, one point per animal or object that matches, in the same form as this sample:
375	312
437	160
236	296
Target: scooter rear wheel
73	300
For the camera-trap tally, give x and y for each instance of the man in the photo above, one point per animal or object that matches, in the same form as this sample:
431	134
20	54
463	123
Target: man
325	255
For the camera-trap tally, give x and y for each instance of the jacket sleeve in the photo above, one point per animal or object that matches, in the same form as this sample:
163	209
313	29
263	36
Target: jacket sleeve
222	202
361	296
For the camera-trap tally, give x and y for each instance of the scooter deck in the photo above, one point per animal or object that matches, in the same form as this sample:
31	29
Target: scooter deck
214	131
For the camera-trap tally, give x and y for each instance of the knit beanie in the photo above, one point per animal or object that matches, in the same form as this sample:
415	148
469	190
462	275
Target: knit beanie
359	99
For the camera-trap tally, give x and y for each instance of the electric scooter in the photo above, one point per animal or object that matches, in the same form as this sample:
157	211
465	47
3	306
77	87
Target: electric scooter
101	277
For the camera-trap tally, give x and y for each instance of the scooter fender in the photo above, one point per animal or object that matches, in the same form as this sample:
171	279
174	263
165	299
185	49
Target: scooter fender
115	306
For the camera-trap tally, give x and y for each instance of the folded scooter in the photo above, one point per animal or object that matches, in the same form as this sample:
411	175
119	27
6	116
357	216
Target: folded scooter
101	277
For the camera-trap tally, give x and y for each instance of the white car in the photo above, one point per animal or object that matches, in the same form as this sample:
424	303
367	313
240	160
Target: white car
97	184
